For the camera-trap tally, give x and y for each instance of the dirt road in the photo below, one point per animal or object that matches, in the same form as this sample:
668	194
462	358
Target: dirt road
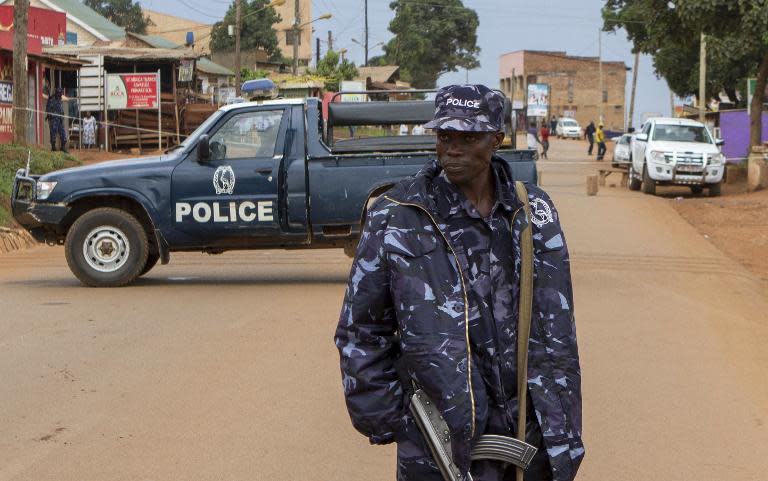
223	368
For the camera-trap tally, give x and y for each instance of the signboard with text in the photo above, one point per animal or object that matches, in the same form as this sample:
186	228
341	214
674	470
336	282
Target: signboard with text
133	91
538	100
6	111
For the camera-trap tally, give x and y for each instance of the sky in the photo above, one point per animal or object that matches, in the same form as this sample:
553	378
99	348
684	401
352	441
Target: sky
505	25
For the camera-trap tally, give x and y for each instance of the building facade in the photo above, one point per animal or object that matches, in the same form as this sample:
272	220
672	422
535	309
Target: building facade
284	29
574	85
174	29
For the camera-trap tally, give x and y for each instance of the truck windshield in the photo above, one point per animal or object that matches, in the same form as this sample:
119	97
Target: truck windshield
204	127
681	133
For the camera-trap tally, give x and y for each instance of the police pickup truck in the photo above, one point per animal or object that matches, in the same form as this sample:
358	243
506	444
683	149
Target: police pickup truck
254	175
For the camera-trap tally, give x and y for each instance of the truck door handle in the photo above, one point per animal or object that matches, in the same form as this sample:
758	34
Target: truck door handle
266	171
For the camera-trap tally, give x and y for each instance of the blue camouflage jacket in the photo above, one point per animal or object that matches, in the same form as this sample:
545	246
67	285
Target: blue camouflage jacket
404	321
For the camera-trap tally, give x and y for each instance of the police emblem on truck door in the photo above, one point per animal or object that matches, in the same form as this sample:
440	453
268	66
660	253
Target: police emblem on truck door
224	180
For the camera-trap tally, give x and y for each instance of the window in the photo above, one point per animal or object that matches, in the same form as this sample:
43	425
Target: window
605	96
247	135
570	90
289	37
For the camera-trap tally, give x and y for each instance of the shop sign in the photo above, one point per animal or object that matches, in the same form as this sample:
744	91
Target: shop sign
132	91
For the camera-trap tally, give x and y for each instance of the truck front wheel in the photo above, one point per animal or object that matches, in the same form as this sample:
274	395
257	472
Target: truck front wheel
632	181
106	247
648	185
714	189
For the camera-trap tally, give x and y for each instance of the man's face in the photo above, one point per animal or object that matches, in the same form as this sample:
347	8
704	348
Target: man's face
466	155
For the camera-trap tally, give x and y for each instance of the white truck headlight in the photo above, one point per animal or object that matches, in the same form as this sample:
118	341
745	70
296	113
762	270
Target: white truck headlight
658	156
717	159
44	189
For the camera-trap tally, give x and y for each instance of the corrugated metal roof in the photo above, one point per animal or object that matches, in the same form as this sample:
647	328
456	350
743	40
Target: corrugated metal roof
207	66
155	41
78	10
125	53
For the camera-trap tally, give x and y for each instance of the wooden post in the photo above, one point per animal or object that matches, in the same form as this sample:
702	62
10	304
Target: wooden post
176	105
138	123
106	111
19	115
159	114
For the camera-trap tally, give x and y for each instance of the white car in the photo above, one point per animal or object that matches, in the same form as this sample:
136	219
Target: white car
622	154
567	128
670	151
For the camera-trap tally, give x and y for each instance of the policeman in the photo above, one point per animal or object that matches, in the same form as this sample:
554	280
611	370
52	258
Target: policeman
55	116
432	301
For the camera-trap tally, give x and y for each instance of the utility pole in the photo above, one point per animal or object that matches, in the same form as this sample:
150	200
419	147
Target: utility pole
330	41
296	36
634	87
703	78
317	51
366	33
600	69
20	17
238	24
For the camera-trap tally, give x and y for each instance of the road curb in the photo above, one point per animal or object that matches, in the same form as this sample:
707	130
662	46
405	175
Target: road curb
14	240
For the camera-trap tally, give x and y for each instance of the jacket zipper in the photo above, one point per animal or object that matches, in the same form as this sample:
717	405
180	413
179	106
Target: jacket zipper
466	304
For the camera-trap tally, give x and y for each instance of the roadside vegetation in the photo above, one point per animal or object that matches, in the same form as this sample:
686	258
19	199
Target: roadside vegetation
14	157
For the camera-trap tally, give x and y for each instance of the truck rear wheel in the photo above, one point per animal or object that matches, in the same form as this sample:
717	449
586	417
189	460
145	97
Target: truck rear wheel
648	185
714	189
106	247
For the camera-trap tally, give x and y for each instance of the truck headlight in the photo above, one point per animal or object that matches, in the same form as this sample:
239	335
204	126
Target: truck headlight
717	159
658	156
44	189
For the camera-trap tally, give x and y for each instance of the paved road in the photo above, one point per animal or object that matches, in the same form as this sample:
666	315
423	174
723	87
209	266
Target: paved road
223	368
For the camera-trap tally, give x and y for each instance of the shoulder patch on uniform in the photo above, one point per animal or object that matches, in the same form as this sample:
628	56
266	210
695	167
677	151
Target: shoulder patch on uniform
541	213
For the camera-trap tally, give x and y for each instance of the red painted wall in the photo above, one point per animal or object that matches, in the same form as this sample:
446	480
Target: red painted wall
46	26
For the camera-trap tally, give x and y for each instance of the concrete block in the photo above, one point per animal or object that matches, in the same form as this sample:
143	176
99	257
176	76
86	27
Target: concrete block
592	184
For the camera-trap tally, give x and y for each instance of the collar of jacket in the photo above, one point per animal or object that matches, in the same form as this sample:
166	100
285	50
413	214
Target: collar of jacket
416	189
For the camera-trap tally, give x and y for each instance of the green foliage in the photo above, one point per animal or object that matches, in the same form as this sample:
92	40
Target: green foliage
736	31
432	38
123	13
257	29
248	74
335	70
14	157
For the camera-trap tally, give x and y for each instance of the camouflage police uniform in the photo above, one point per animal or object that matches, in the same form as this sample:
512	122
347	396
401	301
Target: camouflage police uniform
55	110
432	300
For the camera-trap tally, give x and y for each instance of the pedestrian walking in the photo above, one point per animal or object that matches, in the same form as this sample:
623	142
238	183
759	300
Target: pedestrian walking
600	137
54	110
532	138
544	135
89	130
553	126
589	134
433	302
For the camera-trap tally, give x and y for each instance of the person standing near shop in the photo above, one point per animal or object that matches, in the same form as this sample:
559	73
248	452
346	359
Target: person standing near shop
54	110
544	136
432	303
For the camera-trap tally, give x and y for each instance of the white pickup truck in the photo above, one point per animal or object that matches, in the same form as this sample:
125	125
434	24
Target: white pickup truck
668	151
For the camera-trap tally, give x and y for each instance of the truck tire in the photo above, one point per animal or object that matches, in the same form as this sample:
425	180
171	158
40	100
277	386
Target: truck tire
106	247
632	182
714	189
648	185
151	262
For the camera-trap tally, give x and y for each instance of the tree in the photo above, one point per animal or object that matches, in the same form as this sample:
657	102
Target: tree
737	43
123	13
20	22
334	71
432	38
256	32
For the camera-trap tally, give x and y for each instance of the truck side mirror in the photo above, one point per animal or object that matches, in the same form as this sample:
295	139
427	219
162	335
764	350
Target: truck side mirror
203	149
642	137
719	142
